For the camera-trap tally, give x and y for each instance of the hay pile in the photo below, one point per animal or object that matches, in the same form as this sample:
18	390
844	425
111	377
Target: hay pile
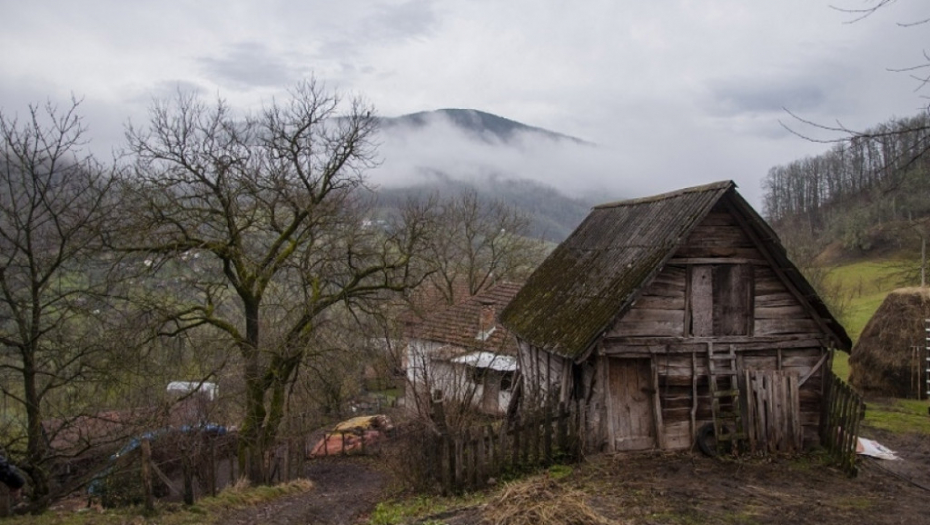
882	361
540	501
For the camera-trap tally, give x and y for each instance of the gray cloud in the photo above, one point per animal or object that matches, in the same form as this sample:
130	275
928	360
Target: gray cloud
678	92
251	64
412	19
167	89
753	96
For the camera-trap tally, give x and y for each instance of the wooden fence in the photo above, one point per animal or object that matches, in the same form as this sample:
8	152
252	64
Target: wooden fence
173	464
843	410
470	459
773	411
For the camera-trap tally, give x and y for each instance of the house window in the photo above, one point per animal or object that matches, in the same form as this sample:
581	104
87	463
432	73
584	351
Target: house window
478	375
507	380
721	300
486	376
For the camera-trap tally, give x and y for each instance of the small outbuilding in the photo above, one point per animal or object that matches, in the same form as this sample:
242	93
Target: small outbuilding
890	357
462	354
663	314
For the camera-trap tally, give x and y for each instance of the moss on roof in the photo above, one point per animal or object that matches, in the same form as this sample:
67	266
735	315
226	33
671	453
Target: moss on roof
599	270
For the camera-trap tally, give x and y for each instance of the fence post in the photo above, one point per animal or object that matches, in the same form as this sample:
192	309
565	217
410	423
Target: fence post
515	449
845	411
188	475
447	462
481	457
212	469
468	453
458	476
561	437
4	501
148	497
547	435
537	420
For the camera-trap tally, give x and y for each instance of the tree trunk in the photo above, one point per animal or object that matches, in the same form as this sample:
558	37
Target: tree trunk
35	441
252	443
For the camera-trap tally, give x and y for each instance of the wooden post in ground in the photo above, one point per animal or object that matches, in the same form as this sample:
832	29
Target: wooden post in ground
547	436
148	496
4	501
188	475
213	466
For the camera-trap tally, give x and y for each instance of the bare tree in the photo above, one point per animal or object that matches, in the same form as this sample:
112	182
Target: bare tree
53	208
478	243
271	203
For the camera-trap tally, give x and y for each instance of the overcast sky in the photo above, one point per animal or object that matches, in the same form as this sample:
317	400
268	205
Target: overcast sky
678	92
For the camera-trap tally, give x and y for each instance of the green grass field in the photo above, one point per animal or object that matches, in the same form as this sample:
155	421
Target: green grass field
860	289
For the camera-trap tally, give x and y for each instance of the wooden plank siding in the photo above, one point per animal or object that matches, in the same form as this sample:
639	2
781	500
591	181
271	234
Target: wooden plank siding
662	308
544	374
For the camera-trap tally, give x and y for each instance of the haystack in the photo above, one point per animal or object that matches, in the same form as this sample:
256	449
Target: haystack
883	361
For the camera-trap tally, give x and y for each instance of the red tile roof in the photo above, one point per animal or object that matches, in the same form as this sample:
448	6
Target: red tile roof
459	325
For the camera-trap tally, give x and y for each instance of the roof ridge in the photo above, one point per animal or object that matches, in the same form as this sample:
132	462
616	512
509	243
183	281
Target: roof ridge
713	186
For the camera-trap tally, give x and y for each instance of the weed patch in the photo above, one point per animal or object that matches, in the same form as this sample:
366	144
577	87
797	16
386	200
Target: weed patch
900	416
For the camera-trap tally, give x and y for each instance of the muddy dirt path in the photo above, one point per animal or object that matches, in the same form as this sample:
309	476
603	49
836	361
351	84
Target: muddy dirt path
346	491
661	488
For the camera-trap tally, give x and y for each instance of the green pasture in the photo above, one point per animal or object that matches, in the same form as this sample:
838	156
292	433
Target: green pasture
856	290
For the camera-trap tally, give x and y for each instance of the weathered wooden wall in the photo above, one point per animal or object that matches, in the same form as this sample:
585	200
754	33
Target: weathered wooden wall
544	374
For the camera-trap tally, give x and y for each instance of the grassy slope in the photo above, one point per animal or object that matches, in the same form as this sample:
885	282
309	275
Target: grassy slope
861	286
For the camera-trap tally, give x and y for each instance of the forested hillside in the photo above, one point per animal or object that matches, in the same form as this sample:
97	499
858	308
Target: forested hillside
865	193
552	215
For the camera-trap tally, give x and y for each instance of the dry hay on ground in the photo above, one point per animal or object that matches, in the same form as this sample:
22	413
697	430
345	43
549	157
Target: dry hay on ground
882	362
538	501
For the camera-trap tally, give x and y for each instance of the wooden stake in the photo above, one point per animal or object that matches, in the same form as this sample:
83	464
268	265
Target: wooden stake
148	495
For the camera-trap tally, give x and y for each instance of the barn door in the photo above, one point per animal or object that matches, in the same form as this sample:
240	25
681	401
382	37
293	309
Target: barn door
630	389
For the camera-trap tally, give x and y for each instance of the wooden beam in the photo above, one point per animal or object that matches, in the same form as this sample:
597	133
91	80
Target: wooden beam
652	346
657	406
694	395
814	370
686	261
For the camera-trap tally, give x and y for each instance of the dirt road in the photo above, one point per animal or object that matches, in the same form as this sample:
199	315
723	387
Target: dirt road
346	491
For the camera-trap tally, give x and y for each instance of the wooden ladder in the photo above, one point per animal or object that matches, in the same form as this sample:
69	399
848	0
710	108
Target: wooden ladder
724	391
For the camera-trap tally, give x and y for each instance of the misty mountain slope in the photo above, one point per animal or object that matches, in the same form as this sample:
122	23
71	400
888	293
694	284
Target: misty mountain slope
553	215
549	175
484	126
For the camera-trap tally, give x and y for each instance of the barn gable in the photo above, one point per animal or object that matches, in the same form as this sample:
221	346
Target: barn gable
668	313
646	251
720	282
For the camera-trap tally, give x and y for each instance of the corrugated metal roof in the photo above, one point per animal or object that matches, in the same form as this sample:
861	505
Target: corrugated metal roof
502	363
597	272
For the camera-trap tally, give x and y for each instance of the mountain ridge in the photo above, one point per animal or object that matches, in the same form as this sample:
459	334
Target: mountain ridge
478	123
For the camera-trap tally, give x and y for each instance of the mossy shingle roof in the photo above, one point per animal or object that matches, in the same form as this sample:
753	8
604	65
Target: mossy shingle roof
599	270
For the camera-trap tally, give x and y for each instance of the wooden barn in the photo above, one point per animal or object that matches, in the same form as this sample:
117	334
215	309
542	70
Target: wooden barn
667	313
